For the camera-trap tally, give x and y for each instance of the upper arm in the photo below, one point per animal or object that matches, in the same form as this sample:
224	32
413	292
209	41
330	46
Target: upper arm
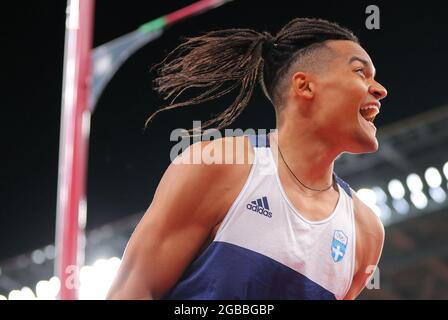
168	237
369	245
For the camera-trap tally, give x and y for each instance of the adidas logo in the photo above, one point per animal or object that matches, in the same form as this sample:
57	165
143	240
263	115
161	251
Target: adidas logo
261	206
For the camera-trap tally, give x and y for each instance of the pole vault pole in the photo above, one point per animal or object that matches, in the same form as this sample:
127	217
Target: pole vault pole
73	146
86	73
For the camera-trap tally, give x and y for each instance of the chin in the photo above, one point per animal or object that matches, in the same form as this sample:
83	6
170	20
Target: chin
361	146
373	148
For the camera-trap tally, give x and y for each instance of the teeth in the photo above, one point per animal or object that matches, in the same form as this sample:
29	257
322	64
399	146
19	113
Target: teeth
369	112
370	107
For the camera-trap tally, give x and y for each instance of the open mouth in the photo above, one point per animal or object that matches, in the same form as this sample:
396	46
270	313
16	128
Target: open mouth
369	112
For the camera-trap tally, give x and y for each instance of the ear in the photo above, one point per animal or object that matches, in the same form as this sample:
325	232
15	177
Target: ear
302	85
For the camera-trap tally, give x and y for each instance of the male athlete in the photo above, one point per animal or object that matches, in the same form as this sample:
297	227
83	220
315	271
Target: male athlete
281	225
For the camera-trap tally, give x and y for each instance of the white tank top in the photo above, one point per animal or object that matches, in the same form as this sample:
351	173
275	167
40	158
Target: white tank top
266	249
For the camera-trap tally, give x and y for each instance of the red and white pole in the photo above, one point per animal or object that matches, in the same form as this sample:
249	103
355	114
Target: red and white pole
73	146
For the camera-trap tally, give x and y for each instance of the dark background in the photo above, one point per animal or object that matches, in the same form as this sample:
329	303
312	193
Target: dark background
126	161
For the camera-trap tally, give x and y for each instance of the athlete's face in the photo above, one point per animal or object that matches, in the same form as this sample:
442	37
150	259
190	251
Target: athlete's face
348	98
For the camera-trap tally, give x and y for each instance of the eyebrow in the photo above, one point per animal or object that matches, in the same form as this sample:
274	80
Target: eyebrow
364	62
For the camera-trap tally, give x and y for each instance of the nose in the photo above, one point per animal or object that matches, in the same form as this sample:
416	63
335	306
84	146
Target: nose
378	91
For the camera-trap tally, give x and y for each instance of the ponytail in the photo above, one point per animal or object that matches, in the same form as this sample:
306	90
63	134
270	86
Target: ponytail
220	62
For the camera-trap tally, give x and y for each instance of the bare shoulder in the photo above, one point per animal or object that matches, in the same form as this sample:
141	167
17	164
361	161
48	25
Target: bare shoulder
214	169
214	156
222	151
368	224
369	245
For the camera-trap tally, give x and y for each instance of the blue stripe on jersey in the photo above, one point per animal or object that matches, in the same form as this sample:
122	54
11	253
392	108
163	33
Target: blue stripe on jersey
344	185
227	271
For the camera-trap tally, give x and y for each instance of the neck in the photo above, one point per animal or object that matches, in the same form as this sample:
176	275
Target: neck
309	158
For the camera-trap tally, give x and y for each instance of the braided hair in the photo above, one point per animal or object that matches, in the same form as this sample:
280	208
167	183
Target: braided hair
220	62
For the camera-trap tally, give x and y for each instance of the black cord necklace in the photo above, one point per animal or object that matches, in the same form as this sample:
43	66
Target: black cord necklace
320	190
